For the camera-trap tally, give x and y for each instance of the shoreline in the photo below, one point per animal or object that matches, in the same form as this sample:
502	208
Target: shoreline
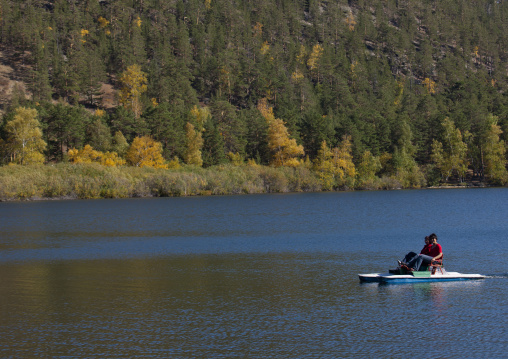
94	181
202	194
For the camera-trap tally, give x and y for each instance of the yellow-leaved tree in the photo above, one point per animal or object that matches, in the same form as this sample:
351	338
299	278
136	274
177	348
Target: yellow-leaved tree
335	166
429	85
194	135
351	21
323	166
495	153
134	84
88	155
112	159
236	159
343	161
199	116
194	143
285	151
24	137
145	152
313	61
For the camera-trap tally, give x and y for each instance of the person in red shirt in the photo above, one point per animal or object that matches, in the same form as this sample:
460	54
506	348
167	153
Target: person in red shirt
435	251
427	246
431	251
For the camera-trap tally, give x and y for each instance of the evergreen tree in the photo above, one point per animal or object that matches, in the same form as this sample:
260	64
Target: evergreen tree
227	122
119	144
64	127
367	169
99	135
166	123
40	85
213	146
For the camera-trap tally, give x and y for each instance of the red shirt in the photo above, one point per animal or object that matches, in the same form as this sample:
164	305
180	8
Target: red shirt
434	251
426	249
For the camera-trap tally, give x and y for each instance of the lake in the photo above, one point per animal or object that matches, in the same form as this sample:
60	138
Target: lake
252	276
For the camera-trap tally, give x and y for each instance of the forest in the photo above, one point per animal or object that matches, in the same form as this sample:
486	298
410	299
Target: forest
280	95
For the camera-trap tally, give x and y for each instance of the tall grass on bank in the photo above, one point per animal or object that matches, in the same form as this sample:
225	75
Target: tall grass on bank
86	181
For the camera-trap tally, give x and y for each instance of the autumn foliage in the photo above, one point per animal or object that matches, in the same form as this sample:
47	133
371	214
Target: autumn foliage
88	155
134	84
284	150
335	166
194	144
421	93
24	137
145	152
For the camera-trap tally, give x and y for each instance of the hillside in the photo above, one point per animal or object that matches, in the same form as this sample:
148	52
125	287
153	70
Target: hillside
384	73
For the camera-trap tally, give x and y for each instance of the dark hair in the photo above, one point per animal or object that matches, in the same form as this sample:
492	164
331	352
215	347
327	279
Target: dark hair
433	236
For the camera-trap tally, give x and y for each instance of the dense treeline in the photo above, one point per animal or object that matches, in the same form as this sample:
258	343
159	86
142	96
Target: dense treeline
359	92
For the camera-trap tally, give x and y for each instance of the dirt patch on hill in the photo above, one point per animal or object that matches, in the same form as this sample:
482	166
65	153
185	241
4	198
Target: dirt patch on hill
108	95
14	76
13	70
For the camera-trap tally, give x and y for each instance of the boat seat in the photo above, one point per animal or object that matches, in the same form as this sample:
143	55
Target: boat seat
435	265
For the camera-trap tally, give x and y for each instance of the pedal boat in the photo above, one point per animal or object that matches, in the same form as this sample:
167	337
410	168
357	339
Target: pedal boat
418	277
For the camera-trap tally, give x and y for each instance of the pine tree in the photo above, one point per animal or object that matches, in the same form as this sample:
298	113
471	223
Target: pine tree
99	135
213	146
64	127
228	124
119	144
40	84
367	168
407	171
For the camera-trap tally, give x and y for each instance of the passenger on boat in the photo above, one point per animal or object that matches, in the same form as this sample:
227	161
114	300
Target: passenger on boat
430	252
425	250
428	245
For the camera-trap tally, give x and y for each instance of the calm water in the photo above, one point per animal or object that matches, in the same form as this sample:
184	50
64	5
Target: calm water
258	276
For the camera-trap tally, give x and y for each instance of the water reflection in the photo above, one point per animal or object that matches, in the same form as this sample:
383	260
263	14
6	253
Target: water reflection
197	306
256	277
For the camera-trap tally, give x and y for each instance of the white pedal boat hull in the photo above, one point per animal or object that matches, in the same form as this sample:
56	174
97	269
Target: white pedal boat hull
409	278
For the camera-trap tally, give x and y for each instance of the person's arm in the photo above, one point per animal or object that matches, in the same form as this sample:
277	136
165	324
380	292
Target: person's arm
438	256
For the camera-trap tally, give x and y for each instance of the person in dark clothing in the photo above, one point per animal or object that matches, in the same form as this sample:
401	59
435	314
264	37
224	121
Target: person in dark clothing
425	250
431	251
